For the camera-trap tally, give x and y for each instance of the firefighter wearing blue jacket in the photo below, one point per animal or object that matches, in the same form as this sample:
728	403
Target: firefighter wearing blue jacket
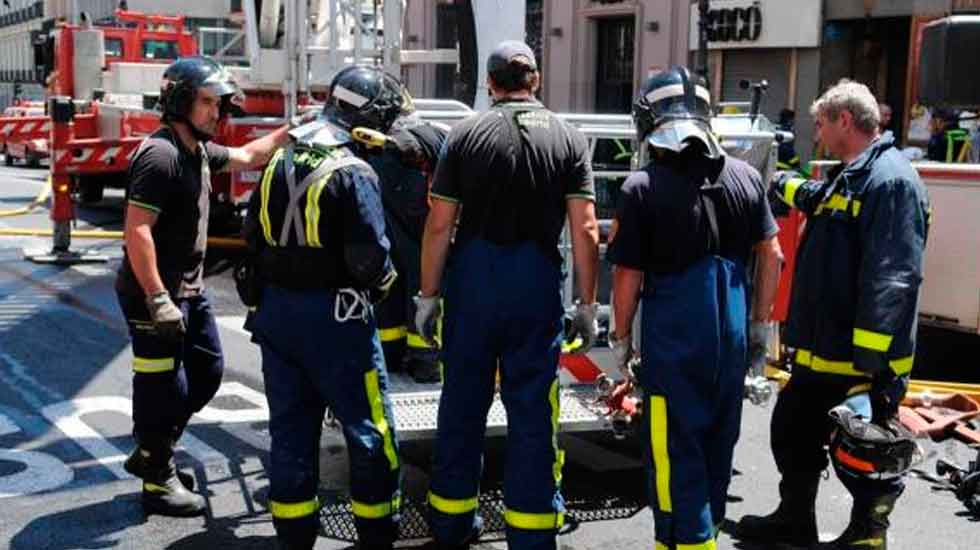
686	227
317	232
852	316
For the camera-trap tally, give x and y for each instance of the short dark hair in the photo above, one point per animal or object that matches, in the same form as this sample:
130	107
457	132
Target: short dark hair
515	77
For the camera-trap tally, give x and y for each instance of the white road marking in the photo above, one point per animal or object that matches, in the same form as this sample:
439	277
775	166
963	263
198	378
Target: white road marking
43	472
260	413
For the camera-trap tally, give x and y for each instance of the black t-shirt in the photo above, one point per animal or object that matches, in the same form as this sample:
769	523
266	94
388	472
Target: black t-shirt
167	178
662	222
513	168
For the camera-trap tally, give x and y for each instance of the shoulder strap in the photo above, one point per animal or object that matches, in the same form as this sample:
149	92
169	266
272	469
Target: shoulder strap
293	219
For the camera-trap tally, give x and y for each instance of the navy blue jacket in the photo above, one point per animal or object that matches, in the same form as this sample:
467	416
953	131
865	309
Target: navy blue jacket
855	289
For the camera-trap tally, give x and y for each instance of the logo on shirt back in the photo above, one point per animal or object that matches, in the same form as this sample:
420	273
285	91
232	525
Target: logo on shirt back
534	119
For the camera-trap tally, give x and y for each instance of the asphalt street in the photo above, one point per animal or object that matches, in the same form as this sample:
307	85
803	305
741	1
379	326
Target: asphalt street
65	389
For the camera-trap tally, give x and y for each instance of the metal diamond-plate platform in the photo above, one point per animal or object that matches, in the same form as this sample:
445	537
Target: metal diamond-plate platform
416	413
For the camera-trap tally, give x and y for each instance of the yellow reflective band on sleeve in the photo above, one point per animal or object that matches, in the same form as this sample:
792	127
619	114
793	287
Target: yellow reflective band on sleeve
657	545
154	488
559	462
313	211
264	190
293	510
902	366
452	506
661	456
534	522
392	334
706	545
376	511
416	341
875	341
789	191
819	364
144	365
444	198
840	203
373	390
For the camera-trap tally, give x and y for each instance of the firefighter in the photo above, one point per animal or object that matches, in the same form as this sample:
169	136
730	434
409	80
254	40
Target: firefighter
510	174
316	230
404	165
685	229
852	315
947	139
177	359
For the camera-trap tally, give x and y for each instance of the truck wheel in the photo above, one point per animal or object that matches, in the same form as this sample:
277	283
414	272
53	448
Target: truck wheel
32	161
90	190
7	159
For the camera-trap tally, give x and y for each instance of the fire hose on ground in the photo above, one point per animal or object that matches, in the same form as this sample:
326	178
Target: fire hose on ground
39	200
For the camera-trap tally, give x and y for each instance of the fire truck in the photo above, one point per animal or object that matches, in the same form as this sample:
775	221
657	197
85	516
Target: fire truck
79	65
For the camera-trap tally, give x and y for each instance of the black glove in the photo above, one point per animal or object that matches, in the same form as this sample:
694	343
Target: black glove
887	392
166	316
247	283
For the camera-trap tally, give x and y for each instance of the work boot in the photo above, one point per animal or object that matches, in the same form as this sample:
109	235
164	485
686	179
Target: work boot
425	372
868	528
163	492
794	522
136	465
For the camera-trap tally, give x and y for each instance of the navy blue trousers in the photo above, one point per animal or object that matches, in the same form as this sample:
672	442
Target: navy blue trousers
502	312
172	379
693	371
312	361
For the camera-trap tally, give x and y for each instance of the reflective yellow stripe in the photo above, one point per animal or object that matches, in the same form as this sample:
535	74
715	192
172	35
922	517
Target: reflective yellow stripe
818	364
870	543
392	334
451	505
145	206
152	366
534	522
313	211
375	511
661	457
293	510
559	462
416	341
840	203
264	190
378	416
875	341
706	545
657	545
789	192
902	366
154	488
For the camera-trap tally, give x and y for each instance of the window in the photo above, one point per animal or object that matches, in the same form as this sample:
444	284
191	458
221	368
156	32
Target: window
614	65
113	47
160	49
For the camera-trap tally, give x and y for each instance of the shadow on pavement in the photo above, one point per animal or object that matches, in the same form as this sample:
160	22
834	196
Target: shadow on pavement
87	527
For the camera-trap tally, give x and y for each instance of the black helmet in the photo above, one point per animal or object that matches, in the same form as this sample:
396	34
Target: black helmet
861	449
362	95
185	76
672	107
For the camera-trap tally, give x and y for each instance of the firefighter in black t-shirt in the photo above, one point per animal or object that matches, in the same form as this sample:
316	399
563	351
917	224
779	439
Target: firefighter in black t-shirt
685	228
512	175
177	360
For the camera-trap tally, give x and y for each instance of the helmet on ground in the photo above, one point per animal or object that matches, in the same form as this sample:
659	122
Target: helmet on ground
673	107
184	77
359	95
862	449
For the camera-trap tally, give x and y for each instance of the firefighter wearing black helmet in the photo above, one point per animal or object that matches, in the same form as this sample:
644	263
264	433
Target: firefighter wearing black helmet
404	164
852	318
177	359
685	229
316	230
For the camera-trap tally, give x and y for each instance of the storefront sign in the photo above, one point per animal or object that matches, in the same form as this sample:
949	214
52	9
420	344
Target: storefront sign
759	24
